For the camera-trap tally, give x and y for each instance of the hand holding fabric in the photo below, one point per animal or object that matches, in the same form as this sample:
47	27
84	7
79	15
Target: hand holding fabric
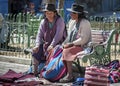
35	49
68	45
49	48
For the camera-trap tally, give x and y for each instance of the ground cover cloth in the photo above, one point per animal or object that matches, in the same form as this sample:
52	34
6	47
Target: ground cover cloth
11	78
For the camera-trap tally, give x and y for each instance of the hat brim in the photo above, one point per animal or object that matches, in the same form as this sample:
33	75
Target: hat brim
44	10
69	9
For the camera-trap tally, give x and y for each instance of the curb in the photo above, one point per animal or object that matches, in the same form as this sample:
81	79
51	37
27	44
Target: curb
18	60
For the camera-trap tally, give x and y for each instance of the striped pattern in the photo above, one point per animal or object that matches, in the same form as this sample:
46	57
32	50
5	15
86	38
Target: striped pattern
95	76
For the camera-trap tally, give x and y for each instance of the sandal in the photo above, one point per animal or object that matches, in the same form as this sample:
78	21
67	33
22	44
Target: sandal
66	80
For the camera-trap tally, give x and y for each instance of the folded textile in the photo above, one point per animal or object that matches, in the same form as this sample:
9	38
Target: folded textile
10	76
29	81
96	76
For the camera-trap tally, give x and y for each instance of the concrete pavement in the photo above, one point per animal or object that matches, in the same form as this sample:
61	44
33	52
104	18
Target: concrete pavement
14	63
5	66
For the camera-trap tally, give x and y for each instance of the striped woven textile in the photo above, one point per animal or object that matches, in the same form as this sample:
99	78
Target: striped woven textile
96	76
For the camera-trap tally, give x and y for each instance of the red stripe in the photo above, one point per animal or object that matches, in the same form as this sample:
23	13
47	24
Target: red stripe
56	54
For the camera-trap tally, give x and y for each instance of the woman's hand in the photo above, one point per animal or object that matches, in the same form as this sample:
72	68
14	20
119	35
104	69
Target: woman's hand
68	45
49	48
35	49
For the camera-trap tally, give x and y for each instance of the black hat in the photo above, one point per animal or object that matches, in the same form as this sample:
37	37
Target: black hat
49	7
76	8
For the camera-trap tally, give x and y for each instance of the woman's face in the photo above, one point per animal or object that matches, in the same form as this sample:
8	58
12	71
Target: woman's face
74	16
32	6
50	15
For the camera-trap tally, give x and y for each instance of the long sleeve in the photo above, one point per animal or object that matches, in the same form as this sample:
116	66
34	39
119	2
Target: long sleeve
84	33
40	34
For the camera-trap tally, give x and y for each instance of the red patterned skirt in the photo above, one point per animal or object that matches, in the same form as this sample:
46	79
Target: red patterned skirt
69	54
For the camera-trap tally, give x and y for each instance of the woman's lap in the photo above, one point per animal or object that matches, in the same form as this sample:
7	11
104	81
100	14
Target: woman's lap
69	54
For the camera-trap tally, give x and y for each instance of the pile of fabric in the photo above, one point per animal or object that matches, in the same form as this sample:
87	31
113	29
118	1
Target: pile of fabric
102	75
11	78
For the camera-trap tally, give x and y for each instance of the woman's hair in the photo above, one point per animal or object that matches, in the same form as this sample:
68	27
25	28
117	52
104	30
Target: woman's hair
81	15
57	14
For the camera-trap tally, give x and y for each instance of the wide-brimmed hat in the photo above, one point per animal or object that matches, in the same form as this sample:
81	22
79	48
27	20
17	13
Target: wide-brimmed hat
76	8
49	7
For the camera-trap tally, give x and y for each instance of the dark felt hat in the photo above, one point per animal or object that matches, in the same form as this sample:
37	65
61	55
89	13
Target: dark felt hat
76	8
49	7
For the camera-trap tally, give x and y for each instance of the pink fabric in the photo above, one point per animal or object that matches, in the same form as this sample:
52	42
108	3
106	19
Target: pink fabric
10	76
95	76
69	54
26	76
30	83
8	79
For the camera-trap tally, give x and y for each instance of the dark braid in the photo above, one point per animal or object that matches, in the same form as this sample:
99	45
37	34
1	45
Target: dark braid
82	15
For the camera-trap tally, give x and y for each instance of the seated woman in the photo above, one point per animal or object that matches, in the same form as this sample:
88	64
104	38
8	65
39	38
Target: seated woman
50	34
77	40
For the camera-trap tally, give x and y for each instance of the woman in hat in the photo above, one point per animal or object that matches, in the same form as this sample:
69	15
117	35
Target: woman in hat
77	40
50	34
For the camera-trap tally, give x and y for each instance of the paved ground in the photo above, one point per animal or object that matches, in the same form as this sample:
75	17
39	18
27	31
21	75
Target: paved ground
5	66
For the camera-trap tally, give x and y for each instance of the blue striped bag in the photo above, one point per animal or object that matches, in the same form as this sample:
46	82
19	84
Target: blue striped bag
55	68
